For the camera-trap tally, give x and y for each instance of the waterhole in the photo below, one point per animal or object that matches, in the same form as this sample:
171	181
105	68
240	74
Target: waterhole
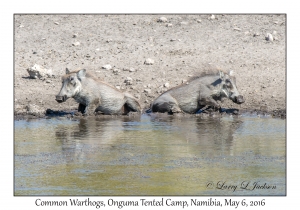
150	155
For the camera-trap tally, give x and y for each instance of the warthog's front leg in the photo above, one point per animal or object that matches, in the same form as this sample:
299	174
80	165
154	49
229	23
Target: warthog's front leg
90	108
208	101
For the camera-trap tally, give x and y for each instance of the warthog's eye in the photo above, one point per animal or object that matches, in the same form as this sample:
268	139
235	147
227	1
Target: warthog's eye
72	81
228	84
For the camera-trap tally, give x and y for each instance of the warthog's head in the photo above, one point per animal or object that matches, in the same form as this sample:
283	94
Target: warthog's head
229	89
71	85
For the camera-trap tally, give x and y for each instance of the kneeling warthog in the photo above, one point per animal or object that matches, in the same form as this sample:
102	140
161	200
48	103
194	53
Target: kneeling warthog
198	94
94	95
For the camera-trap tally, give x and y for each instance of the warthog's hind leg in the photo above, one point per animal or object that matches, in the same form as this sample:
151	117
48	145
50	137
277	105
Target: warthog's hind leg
166	106
175	109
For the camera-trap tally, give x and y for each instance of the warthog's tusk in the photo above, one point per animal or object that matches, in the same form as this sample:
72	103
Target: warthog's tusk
224	91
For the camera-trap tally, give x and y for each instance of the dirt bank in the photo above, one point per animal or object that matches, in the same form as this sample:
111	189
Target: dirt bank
179	45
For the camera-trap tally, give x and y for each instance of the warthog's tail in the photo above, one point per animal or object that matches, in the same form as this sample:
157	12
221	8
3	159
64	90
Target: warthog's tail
132	103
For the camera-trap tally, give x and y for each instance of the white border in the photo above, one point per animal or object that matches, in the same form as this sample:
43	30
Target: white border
8	201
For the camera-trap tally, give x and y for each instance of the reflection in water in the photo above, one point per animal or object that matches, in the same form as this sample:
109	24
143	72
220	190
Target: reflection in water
152	154
213	134
88	135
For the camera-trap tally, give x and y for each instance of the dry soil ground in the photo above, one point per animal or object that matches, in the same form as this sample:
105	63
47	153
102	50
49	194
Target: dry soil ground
181	46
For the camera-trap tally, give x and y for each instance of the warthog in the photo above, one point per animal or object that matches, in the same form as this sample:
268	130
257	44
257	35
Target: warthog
198	94
95	95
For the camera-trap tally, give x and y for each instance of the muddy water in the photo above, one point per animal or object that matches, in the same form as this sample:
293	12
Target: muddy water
150	155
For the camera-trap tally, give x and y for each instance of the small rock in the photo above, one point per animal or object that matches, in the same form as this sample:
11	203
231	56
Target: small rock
212	17
56	23
150	95
184	23
76	44
237	29
162	20
97	49
107	67
173	40
75	35
269	37
149	61
19	109
118	87
39	72
147	90
183	81
116	71
199	21
264	108
137	96
131	70
169	25
256	34
21	26
167	85
33	109
128	81
274	32
48	81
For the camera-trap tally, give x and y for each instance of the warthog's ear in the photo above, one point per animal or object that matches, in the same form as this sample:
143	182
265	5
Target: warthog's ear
81	73
67	71
222	75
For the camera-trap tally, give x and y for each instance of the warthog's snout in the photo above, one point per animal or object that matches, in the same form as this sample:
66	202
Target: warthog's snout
239	99
61	99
